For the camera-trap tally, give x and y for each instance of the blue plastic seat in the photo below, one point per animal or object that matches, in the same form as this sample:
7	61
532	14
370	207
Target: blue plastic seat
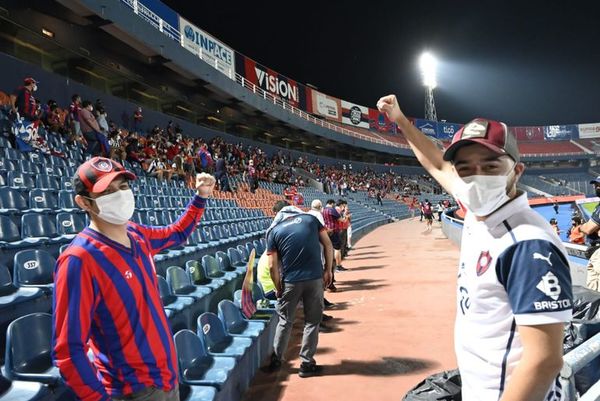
181	284
28	167
225	264
198	367
47	182
11	200
218	343
39	228
28	350
177	308
68	225
20	179
259	246
235	259
40	200
198	276
212	270
10	235
66	200
24	391
197	393
12	154
34	268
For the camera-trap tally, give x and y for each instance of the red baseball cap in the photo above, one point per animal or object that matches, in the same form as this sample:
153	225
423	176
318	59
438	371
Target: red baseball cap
96	174
29	81
494	135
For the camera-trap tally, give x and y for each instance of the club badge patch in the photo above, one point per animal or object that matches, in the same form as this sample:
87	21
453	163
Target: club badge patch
103	165
483	263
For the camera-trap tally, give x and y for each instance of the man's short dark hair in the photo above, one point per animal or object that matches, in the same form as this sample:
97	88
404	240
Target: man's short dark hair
74	97
280	205
330	202
341	202
577	220
86	103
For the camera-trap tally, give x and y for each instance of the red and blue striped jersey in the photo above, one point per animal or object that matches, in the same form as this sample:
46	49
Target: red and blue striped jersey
106	298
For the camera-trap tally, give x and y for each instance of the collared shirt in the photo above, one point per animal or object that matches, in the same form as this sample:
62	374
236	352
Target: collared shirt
513	271
331	217
106	298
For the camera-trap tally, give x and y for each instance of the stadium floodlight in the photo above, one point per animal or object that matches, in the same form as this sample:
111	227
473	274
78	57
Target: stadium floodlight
428	65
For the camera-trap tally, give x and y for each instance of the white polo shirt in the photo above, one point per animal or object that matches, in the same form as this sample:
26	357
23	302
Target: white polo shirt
513	271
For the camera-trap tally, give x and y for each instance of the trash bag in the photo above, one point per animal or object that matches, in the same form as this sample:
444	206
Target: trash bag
444	386
585	324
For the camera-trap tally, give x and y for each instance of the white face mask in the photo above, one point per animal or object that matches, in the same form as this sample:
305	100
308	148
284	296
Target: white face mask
481	194
34	88
116	208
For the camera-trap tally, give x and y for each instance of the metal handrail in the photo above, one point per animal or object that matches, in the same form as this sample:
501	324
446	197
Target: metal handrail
574	361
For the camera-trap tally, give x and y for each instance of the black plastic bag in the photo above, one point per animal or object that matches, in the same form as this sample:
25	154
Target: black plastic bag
444	386
586	303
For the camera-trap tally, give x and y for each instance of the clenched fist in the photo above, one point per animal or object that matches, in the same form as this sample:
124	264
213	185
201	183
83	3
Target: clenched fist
389	105
204	185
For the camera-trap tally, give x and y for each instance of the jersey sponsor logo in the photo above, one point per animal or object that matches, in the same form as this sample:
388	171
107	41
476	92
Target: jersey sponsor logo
537	255
549	285
561	304
128	274
483	263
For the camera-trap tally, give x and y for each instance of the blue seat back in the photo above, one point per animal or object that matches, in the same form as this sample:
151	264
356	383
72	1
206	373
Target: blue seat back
20	179
165	292
232	318
66	199
11	198
179	281
192	356
47	182
33	267
29	346
212	332
234	256
243	252
196	272
69	223
211	266
37	225
6	285
224	262
39	199
9	231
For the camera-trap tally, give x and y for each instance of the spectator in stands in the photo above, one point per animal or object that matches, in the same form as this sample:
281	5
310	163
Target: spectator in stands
554	225
24	102
101	116
106	293
508	250
132	150
137	119
251	175
157	168
428	214
591	227
221	173
440	210
332	224
90	128
575	234
379	201
51	117
555	206
344	222
73	118
593	268
316	209
293	240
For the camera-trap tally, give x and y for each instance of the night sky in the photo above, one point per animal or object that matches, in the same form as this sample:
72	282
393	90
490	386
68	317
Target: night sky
525	63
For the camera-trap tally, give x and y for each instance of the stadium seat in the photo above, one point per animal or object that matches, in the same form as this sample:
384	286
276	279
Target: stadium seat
218	343
198	276
66	201
39	228
177	308
11	200
24	391
68	225
259	246
66	183
20	180
44	181
28	350
42	201
235	259
12	154
225	264
29	167
181	284
197	393
197	367
212	270
237	326
10	236
34	268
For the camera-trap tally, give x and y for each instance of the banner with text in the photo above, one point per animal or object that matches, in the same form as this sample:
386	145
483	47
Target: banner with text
209	49
427	127
589	130
445	131
271	81
355	115
528	133
321	104
379	122
560	132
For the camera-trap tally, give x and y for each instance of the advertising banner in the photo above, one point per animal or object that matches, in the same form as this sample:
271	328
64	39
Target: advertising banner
589	130
353	114
560	132
445	131
379	122
427	127
528	133
209	49
327	106
271	81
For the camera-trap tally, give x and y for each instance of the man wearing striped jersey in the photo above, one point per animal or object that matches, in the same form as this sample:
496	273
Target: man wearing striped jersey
106	295
514	290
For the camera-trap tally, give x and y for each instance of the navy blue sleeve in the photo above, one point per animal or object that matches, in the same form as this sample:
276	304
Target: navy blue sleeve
536	277
596	215
271	241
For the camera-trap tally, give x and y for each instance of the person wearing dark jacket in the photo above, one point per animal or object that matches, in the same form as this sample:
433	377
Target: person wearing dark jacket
24	103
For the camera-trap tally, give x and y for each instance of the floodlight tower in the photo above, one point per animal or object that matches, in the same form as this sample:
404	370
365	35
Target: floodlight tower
428	65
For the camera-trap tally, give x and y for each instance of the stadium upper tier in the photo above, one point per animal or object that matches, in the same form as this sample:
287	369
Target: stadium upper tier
363	124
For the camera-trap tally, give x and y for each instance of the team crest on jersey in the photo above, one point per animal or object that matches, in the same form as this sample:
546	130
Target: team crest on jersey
483	263
103	165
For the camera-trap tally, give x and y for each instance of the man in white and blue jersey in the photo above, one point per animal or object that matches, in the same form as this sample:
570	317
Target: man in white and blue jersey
514	285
